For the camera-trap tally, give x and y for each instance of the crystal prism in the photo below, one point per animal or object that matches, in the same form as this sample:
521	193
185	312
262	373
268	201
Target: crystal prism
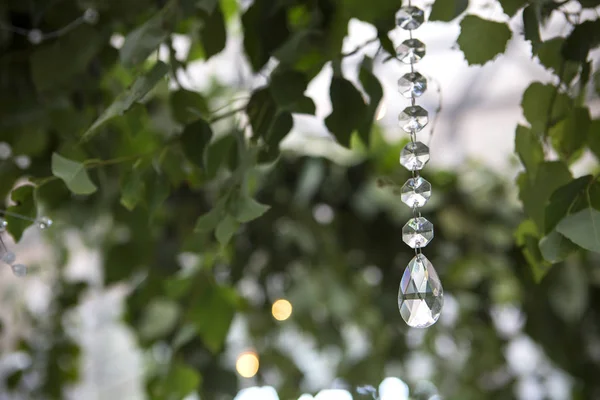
410	17
414	156
416	192
421	296
417	232
412	84
410	51
413	119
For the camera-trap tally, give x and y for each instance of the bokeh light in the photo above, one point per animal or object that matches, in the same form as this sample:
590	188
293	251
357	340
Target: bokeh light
247	364
282	310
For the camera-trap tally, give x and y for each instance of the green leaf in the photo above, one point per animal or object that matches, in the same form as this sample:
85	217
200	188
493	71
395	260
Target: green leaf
261	110
527	238
180	382
194	139
158	319
133	188
570	135
482	40
447	10
211	313
247	209
220	151
594	137
373	88
511	7
535	193
214	33
543	106
157	191
265	30
59	62
532	27
287	87
24	200
349	110
188	106
209	221
73	174
555	247
226	228
581	40
145	39
529	149
281	127
582	228
569	198
550	55
140	88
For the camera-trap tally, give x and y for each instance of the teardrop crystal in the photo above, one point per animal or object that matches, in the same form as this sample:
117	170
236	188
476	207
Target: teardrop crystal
421	296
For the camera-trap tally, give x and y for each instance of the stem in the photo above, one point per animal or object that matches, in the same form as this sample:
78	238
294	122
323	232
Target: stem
359	48
553	100
227	114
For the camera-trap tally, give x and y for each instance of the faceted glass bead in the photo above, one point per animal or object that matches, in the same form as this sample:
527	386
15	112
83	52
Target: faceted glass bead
410	51
412	84
3	225
410	17
413	119
416	192
9	257
19	270
417	232
421	296
414	156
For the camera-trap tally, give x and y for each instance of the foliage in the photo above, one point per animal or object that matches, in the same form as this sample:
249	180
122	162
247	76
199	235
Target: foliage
112	133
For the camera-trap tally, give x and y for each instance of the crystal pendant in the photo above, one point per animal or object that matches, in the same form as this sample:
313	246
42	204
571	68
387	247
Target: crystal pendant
412	84
417	232
410	51
413	119
3	225
410	17
414	156
9	257
416	192
44	223
19	270
421	296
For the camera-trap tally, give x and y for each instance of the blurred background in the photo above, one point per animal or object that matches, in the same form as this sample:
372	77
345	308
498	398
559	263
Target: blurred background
303	303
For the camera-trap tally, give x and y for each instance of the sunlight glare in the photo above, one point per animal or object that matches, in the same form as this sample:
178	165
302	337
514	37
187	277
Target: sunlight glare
282	310
247	364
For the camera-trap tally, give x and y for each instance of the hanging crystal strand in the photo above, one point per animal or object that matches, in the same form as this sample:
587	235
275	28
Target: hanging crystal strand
7	256
420	297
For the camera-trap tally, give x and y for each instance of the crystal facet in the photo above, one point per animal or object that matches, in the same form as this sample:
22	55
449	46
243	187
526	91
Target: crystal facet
417	232
412	84
9	257
416	192
19	270
421	296
414	156
413	118
3	225
410	17
410	51
44	223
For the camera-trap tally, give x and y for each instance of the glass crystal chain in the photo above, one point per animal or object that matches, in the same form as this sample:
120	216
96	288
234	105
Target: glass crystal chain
421	296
